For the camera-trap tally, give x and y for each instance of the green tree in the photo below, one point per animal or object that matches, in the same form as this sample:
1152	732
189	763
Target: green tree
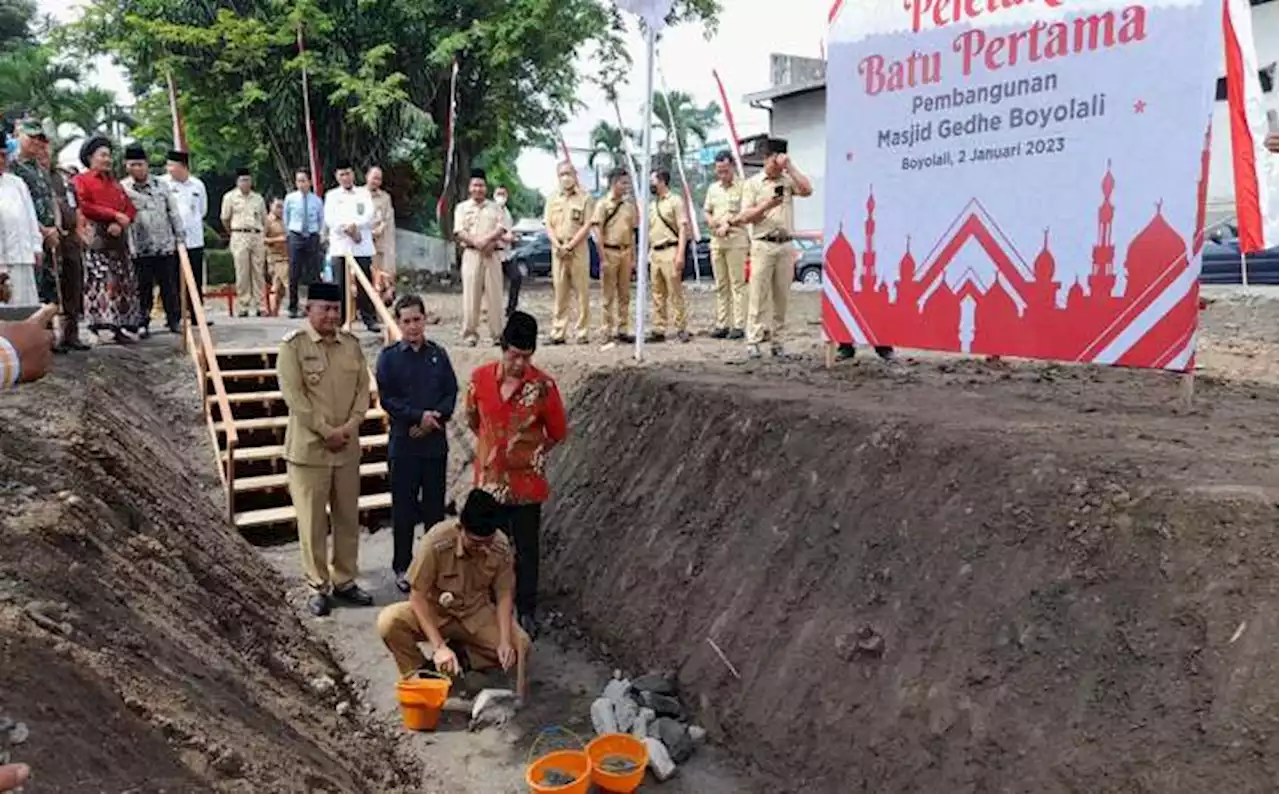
378	70
682	120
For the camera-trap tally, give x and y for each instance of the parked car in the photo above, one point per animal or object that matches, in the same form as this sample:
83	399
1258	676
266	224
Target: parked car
808	261
1221	263
533	255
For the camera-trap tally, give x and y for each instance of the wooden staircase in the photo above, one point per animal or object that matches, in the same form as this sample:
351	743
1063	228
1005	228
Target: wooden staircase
255	475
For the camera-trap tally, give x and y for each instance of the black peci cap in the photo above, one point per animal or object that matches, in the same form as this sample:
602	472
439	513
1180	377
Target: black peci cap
324	291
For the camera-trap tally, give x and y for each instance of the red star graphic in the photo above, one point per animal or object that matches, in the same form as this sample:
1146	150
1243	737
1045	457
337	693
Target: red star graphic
1140	106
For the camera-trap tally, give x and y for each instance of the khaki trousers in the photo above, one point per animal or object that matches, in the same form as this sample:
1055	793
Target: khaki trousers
325	498
478	633
615	286
278	280
481	286
729	265
571	274
249	253
772	271
668	286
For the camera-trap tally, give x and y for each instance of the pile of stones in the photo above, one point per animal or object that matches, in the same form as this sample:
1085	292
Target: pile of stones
648	707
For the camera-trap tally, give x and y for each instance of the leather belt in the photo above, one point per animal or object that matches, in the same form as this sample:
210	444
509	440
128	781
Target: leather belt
776	238
246	231
663	246
617	247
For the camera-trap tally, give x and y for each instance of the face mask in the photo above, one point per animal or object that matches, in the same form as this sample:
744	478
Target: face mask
11	149
502	200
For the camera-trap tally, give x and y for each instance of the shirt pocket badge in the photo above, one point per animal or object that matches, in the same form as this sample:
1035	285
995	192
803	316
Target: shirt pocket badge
576	216
360	207
313	370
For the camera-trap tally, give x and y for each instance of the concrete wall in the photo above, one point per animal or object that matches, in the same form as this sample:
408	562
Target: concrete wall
416	251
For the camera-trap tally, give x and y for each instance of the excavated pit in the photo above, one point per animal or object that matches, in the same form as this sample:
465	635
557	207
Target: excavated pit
145	645
943	579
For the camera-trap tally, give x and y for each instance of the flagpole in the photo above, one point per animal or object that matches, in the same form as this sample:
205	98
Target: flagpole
642	190
317	178
179	136
690	210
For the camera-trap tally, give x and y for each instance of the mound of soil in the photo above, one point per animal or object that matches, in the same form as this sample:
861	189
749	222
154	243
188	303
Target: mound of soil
944	578
143	643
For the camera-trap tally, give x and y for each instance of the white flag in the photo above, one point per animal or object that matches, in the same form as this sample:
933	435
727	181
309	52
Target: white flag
653	12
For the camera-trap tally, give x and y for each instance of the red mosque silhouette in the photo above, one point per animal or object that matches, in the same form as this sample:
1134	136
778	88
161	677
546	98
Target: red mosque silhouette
975	293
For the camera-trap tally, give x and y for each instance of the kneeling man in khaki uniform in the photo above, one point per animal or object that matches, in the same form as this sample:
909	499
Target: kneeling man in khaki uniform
461	591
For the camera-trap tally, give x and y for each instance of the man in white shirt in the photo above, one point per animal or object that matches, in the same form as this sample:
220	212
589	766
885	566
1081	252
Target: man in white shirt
349	216
193	205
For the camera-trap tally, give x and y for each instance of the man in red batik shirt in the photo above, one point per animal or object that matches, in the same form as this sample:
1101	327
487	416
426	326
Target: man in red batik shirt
516	412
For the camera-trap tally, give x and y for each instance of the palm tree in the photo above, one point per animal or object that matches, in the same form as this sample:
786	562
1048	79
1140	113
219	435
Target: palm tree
607	141
31	79
680	119
94	110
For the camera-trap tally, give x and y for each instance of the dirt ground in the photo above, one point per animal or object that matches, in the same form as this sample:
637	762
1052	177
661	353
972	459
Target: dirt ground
986	621
144	646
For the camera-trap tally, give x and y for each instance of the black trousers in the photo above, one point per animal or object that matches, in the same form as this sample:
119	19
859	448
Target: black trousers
524	525
364	306
158	271
514	279
417	497
304	263
196	257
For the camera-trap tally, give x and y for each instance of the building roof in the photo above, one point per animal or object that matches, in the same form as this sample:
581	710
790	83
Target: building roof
786	91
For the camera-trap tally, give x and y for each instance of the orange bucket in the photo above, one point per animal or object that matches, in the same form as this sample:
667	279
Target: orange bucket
569	763
420	701
611	751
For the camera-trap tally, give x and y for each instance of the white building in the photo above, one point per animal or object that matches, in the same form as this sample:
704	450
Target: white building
797	105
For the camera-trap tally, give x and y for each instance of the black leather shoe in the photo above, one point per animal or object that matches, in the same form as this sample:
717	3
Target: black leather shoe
737	333
684	336
353	594
318	604
652	337
402	582
720	333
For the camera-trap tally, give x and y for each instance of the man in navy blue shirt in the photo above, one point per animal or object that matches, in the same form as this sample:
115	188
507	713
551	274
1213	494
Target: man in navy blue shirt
418	390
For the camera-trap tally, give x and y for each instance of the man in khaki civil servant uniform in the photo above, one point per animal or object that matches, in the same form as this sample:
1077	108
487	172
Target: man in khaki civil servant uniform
668	235
728	250
244	217
478	228
768	200
615	220
461	590
568	223
325	381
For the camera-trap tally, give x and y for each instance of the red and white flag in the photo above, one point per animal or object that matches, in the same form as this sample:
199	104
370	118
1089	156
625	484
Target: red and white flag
448	148
1251	164
733	129
313	156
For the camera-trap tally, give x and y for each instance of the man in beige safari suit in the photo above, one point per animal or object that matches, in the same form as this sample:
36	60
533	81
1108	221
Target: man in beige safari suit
325	382
478	228
668	236
768	200
728	250
568	220
614	220
244	217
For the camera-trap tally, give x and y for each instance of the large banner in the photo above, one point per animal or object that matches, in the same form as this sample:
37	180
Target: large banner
1019	177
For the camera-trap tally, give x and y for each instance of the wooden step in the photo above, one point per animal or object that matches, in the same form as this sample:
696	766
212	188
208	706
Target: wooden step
272	422
244	374
228	352
269	481
263	396
286	514
275	451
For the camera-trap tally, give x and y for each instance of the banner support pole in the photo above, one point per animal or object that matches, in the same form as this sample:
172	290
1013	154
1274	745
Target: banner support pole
642	191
